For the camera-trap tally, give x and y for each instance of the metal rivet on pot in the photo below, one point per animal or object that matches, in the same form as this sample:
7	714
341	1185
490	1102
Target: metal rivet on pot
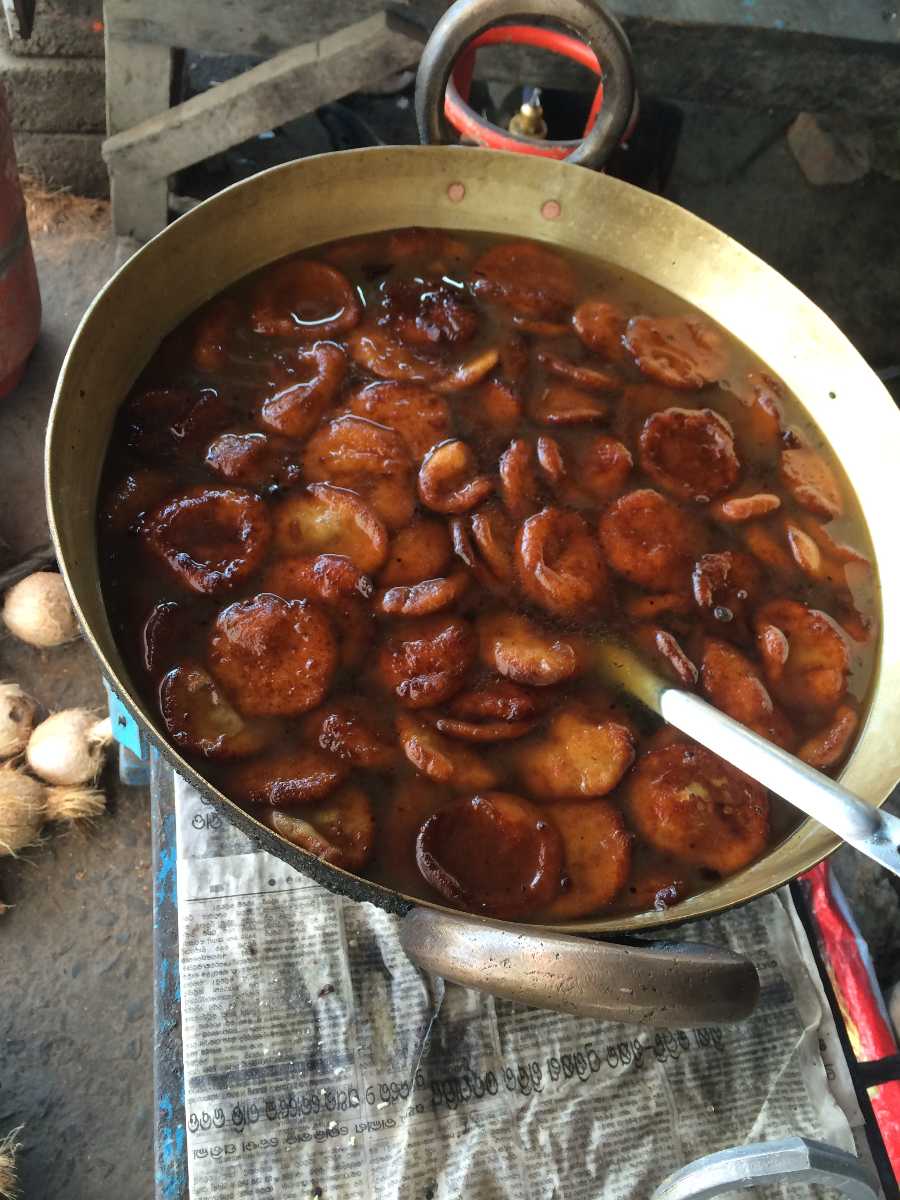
550	210
456	192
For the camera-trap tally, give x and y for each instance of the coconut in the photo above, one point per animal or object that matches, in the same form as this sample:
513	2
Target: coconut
69	747
16	719
23	810
38	610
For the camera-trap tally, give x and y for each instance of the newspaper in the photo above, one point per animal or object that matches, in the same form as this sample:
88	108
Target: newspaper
320	1064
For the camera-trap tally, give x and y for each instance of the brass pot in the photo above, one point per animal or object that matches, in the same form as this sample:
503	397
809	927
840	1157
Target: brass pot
332	196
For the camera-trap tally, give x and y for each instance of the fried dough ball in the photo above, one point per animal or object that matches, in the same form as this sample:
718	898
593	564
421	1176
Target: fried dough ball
564	404
600	471
689	452
492	710
678	352
441	759
329	518
138	493
734	685
484	541
312	385
355	731
410	801
286	778
770	550
685	801
494	854
811	482
664	646
328	578
596	857
418	414
725	586
829	746
482	731
377	352
762	397
448	482
420	551
494	410
527	278
276	657
579	374
356	453
164	635
305	300
424	662
559	564
518	649
211	538
423	599
252	459
550	460
165	421
806	659
427	314
212	333
519	488
198	716
339	830
601	328
650	541
577	756
335	582
493	699
734	510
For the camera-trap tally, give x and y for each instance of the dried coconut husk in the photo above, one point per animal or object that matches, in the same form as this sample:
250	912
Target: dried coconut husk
69	804
23	809
17	711
8	1147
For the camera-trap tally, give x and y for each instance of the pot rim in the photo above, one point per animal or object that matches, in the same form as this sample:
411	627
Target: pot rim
665	227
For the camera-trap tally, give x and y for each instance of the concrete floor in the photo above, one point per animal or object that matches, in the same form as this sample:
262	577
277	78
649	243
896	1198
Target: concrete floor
76	947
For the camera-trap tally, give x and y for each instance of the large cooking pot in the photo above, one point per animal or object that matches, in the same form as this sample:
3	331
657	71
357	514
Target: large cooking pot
332	196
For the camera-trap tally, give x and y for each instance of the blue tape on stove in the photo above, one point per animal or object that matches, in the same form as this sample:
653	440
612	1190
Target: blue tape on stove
125	728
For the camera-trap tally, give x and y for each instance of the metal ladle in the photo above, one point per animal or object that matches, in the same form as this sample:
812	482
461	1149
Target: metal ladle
871	831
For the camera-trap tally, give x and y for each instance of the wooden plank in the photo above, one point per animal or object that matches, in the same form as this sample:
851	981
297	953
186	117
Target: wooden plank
289	84
855	20
138	87
261	27
264	27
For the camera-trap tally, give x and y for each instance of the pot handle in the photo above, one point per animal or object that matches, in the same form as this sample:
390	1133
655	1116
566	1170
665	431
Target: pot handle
465	19
664	984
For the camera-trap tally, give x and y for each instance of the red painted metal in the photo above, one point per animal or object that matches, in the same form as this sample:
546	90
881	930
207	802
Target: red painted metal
464	119
868	1027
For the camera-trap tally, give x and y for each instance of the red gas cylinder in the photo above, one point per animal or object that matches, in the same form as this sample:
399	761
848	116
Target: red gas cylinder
20	299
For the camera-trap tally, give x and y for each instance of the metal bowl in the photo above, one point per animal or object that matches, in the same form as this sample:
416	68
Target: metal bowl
319	199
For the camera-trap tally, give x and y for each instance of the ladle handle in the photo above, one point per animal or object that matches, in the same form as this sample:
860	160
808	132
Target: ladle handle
794	1160
869	830
670	986
465	19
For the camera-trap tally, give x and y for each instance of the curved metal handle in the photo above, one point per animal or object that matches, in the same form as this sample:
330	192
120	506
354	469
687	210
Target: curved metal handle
465	19
794	1160
671	986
